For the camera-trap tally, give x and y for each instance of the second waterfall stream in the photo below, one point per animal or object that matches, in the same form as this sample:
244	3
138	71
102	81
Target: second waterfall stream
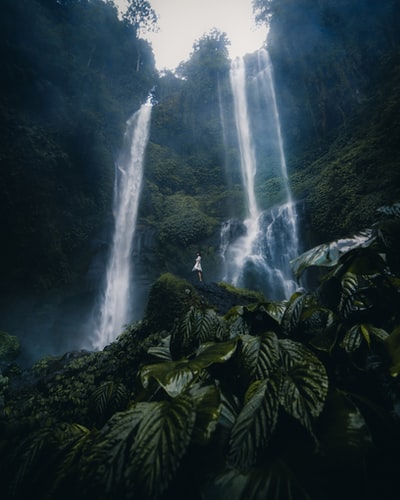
256	253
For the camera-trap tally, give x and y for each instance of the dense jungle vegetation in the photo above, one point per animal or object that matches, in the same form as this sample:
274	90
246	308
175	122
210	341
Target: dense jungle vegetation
257	399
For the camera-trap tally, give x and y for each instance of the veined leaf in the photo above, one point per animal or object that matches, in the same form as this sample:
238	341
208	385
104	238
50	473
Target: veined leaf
236	322
352	339
162	351
328	254
230	409
293	312
105	464
256	422
160	443
207	400
276	310
356	293
305	382
175	376
318	324
74	440
258	355
108	398
210	353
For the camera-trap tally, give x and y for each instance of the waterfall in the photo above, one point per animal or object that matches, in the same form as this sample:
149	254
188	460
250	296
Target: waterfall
256	252
116	300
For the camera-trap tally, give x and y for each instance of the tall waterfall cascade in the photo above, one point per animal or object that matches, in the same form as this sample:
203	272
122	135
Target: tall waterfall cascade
256	252
117	297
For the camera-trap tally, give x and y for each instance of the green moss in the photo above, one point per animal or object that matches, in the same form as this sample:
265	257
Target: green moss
170	297
244	293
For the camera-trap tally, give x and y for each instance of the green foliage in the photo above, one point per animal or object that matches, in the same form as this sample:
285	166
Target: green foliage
69	82
10	348
141	15
253	400
170	298
184	222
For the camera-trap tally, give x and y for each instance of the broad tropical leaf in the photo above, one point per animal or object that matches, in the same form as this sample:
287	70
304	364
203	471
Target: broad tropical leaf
196	328
357	293
210	353
319	325
74	440
258	356
108	398
357	333
236	322
276	310
352	339
161	351
256	422
328	254
175	376
159	446
207	400
139	450
293	312
305	383
104	466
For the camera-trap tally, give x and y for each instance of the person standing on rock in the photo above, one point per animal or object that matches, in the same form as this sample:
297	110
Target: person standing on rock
197	267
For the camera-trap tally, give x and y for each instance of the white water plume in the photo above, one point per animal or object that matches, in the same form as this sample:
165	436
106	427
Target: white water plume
115	305
256	252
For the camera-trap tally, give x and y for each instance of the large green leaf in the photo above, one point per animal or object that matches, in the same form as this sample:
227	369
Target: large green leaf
103	467
139	450
357	293
236	322
319	325
276	310
362	332
207	400
161	351
292	315
196	327
305	383
162	439
328	254
175	376
108	398
256	422
258	356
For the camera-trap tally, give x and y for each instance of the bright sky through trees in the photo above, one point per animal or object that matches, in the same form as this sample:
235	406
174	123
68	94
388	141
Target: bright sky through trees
181	22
